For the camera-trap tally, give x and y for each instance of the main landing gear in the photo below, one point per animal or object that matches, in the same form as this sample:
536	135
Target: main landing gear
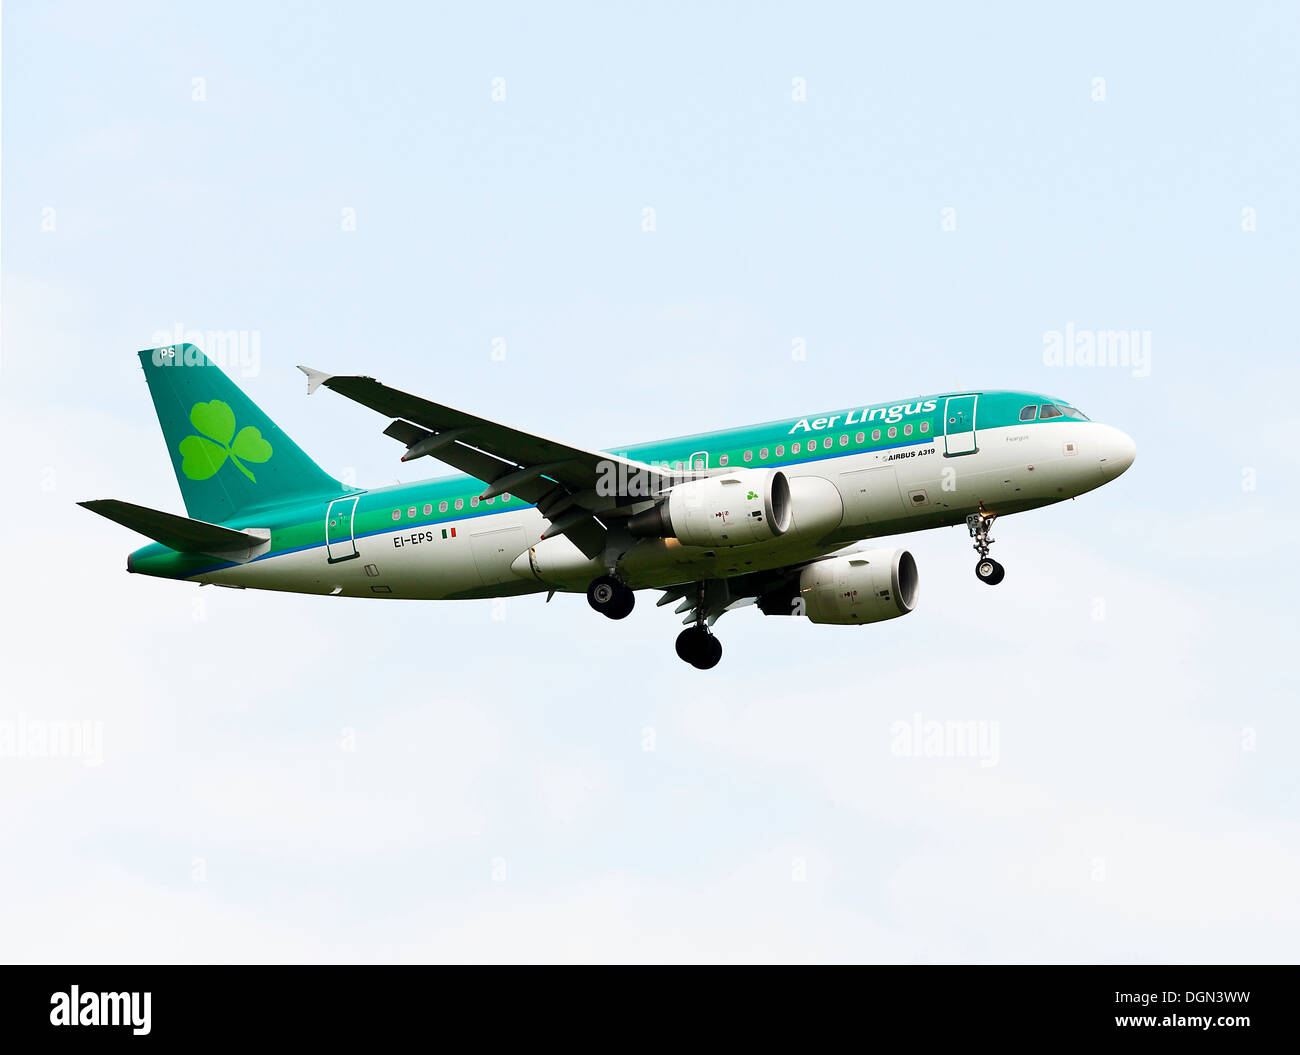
610	597
698	646
986	568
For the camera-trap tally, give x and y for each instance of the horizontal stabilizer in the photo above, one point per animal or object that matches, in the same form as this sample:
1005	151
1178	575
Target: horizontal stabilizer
181	533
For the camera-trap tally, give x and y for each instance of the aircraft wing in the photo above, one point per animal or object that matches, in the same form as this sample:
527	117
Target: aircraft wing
561	480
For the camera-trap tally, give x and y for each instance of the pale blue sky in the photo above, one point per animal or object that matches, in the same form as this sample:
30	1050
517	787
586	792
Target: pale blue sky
1138	646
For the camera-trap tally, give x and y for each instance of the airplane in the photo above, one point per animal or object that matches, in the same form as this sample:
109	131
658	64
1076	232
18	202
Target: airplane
777	515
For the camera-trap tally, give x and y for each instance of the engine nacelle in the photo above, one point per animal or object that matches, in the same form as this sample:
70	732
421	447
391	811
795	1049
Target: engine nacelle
736	509
856	588
816	507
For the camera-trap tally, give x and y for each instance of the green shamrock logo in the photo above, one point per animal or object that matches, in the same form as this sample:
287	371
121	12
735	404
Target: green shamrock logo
752	495
204	454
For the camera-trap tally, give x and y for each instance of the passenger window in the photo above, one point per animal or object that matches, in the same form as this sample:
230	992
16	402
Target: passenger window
397	514
1049	411
794	448
505	499
780	451
1028	413
442	507
749	456
875	435
460	503
723	459
763	453
411	512
861	437
892	433
428	509
925	426
907	430
844	441
473	502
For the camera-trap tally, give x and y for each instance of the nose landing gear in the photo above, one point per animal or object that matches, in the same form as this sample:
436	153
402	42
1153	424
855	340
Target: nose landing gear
986	568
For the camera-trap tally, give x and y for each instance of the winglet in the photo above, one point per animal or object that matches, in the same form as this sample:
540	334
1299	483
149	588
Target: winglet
315	378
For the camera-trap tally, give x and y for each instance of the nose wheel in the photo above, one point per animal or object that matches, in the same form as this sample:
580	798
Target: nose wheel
986	568
610	597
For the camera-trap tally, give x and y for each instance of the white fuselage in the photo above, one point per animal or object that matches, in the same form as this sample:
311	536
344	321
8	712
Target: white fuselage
842	499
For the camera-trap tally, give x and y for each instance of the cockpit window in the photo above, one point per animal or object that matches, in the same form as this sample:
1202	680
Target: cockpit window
1028	413
1049	411
1071	412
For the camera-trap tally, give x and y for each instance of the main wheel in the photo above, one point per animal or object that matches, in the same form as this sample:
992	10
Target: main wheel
610	597
699	648
624	604
712	653
689	644
990	571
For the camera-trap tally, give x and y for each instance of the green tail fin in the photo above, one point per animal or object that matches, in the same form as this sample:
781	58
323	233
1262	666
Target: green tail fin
229	457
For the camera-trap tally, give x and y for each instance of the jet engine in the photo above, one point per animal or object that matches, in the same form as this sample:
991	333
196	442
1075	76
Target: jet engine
855	588
734	509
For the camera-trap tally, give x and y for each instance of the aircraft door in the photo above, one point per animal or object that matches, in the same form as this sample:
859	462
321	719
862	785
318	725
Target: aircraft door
959	425
340	541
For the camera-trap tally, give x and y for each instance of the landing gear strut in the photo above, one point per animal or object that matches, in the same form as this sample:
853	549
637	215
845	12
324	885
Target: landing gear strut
696	644
986	568
610	597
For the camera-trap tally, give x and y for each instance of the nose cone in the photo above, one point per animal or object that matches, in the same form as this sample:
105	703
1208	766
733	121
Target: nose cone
1117	452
